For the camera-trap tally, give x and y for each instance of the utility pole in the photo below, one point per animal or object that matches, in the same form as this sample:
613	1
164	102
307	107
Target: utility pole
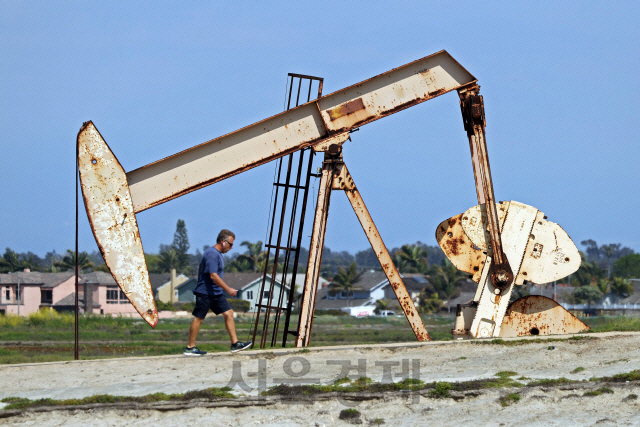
18	295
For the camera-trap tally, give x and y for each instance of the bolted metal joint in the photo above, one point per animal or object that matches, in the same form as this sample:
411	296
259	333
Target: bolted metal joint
501	276
472	108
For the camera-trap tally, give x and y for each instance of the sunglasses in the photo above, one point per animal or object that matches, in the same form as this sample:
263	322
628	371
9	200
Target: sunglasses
229	243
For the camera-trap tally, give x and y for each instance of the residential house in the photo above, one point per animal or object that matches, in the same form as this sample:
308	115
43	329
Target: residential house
57	290
162	285
414	283
36	290
248	285
367	290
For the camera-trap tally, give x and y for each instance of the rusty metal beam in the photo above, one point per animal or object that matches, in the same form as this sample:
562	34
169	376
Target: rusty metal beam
310	290
343	181
261	142
472	107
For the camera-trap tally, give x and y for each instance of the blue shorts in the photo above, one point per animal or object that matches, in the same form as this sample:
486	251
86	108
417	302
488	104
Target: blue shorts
217	303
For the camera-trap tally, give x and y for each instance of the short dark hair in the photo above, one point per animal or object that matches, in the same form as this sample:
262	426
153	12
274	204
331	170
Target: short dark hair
224	235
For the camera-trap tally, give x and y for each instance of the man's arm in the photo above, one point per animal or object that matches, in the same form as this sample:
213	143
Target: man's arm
218	281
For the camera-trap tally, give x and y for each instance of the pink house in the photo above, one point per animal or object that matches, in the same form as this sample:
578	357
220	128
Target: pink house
57	290
35	289
106	294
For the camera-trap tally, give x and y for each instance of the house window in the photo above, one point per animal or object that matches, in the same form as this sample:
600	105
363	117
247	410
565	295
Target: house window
249	295
123	298
46	296
112	295
265	294
7	294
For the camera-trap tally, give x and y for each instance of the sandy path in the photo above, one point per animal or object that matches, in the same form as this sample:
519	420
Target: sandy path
603	354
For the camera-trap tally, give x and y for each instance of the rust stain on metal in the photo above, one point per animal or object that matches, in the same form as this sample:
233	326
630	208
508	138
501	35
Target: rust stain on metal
437	93
379	115
113	221
459	249
346	109
538	315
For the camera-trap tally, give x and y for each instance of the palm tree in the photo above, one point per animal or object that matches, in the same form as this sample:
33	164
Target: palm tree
254	255
602	285
446	278
415	257
238	265
621	288
344	280
429	303
168	260
68	262
401	263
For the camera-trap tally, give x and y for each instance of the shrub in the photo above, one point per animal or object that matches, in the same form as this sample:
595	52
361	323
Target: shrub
50	318
331	312
441	389
161	305
349	414
509	399
239	305
12	320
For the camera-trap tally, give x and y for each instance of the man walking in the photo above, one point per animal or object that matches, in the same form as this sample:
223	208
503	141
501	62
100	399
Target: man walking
209	294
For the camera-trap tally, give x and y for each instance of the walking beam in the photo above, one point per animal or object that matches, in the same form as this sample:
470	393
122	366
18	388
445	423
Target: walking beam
300	127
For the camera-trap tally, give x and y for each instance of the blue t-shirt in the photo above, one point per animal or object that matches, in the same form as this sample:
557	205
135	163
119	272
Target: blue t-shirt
212	262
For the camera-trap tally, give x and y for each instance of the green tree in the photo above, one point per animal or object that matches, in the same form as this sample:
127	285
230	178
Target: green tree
445	279
254	255
170	259
68	262
621	288
239	265
602	285
429	303
181	245
401	264
152	263
589	294
345	280
415	257
627	267
589	272
11	261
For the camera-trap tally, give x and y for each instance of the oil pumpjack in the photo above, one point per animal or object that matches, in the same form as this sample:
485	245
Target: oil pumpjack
500	244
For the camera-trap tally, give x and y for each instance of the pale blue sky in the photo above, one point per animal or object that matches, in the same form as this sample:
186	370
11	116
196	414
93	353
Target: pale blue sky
558	81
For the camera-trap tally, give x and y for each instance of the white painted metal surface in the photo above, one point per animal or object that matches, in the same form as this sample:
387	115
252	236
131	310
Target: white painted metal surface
515	236
538	251
299	127
111	214
308	301
550	254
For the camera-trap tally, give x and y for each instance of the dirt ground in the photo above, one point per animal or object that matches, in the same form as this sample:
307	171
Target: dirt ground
251	372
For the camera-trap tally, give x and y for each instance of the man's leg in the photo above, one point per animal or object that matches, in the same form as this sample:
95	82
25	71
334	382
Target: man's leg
194	329
230	324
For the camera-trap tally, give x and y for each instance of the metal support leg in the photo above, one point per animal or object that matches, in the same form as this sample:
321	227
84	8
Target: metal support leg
308	301
343	181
